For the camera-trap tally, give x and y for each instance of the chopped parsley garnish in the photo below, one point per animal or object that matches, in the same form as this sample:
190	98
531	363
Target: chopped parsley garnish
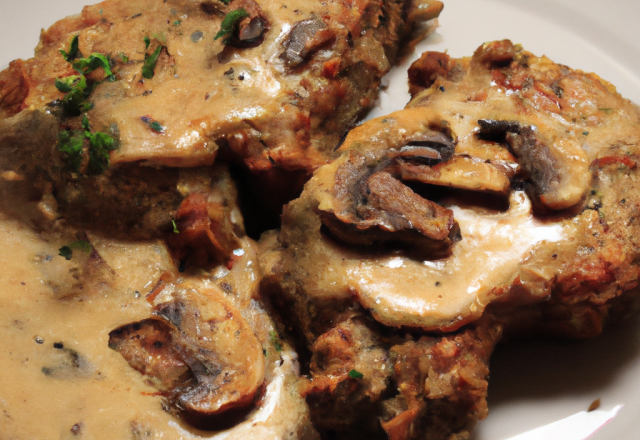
353	374
161	37
229	24
147	42
66	252
153	124
226	2
177	22
156	126
175	227
124	58
72	144
151	60
275	341
77	92
100	144
75	86
73	50
80	245
93	62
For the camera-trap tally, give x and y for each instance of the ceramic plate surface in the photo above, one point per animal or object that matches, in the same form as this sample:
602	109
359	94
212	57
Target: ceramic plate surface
533	383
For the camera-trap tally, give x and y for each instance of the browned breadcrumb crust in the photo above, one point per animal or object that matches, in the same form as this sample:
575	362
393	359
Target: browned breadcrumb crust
510	113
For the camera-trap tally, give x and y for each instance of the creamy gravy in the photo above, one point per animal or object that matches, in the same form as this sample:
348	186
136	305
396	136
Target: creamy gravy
456	289
83	389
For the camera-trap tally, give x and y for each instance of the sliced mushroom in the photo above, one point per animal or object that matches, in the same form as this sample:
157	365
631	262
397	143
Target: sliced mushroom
558	170
429	148
202	353
461	172
369	204
304	37
149	348
372	206
493	127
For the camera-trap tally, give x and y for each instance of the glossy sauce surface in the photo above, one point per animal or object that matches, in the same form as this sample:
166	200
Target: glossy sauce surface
456	288
60	379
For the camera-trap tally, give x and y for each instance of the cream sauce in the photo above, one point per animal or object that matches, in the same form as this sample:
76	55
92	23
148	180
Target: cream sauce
449	292
96	391
207	92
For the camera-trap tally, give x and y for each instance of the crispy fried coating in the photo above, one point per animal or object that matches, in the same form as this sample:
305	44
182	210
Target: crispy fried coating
542	182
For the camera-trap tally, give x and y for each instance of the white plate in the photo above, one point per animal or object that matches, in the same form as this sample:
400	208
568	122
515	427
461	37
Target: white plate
532	383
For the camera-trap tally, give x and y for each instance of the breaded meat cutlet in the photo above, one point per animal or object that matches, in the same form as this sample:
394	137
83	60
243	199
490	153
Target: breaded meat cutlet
502	200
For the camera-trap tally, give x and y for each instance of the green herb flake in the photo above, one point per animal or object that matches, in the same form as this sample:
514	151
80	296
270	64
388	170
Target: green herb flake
93	62
226	2
177	22
150	63
100	144
353	374
606	110
86	125
76	90
229	24
76	87
71	143
124	58
80	245
273	336
67	83
156	126
73	50
66	252
147	42
175	227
